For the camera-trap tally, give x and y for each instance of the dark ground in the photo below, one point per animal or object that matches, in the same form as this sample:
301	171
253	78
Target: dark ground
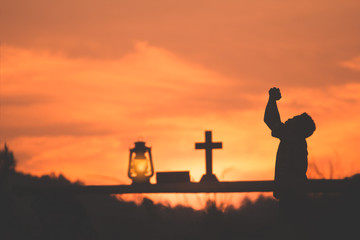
65	216
34	216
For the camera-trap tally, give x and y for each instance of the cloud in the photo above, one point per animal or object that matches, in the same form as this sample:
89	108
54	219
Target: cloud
62	96
353	64
277	42
23	100
54	129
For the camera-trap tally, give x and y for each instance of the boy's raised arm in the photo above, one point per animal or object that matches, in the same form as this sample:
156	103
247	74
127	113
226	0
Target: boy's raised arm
272	116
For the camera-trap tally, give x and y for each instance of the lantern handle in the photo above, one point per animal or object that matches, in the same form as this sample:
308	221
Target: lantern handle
151	161
131	152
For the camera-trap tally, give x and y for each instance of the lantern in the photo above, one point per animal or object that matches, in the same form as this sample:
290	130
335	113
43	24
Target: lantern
141	167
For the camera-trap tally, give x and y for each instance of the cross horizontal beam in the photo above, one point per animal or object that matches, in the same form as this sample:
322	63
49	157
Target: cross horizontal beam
221	187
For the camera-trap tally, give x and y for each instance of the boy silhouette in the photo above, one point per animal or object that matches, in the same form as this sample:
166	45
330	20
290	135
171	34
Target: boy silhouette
291	159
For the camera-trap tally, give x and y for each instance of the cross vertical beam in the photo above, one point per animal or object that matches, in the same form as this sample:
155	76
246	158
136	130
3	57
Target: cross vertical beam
208	145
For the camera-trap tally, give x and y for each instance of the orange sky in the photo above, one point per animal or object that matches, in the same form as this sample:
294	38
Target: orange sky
82	81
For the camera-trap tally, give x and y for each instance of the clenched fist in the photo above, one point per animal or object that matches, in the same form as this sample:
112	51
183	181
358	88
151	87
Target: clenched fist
274	93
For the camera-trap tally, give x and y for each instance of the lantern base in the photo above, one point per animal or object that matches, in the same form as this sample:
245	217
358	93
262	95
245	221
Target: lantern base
142	182
209	178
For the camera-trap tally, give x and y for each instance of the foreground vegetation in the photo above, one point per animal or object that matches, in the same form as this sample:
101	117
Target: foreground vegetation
56	216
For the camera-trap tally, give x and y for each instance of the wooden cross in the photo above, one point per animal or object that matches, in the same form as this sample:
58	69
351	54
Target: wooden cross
208	145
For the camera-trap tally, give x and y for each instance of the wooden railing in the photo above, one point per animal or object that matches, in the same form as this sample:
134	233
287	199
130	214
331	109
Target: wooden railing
313	185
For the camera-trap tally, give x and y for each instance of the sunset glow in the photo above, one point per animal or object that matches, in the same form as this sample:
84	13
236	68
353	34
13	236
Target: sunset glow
80	83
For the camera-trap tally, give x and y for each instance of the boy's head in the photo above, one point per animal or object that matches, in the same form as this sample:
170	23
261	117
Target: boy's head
301	126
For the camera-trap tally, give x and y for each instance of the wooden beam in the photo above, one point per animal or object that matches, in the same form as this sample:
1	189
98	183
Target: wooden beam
220	187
